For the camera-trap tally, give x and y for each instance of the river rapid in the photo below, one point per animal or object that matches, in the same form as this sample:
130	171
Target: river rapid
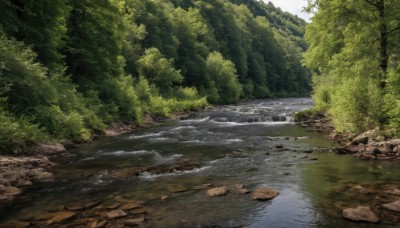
253	143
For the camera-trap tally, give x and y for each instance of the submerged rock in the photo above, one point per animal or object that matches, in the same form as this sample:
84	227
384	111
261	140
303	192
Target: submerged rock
220	191
241	189
175	188
264	193
360	213
134	221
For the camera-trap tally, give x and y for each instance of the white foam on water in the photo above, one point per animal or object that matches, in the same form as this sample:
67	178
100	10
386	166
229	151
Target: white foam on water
128	153
149	176
196	120
230	124
183	128
233	140
88	158
146	135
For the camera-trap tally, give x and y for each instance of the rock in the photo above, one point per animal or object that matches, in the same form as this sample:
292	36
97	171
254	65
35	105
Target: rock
313	158
394	206
132	205
280	146
175	188
220	191
363	190
134	221
98	224
116	214
360	213
341	150
60	217
10	191
241	189
395	192
43	176
51	149
16	224
360	139
264	193
163	197
396	149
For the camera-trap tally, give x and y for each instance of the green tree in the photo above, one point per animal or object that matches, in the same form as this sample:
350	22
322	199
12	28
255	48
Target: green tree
223	75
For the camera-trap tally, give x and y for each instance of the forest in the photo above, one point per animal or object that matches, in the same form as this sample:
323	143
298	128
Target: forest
71	68
354	57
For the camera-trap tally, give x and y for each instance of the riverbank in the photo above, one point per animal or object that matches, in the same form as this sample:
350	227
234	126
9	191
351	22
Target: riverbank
370	145
22	170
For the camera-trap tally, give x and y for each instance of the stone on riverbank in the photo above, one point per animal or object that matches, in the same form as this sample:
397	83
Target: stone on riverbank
116	214
394	206
264	193
220	191
60	217
360	213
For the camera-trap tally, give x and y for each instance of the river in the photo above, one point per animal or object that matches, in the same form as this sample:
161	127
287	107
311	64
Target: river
253	143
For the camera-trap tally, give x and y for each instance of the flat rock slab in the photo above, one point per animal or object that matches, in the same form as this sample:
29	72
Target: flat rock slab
134	221
394	206
360	214
116	214
220	191
264	193
132	205
60	217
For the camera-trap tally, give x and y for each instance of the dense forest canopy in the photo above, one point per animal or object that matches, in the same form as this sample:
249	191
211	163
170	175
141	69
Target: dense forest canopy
353	53
70	68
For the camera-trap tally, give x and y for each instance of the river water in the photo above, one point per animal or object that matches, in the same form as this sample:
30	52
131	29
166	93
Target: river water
254	144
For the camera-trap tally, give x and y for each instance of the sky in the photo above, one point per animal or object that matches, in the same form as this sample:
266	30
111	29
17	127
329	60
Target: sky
292	6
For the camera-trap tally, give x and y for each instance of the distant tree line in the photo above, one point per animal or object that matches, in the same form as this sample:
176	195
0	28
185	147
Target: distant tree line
70	68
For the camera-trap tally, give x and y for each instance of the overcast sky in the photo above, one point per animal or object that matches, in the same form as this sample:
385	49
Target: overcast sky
292	6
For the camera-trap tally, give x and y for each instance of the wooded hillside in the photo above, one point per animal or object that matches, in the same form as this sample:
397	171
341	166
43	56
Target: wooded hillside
70	68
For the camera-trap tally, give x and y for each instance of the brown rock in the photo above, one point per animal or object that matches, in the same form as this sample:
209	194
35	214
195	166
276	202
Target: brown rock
264	193
164	197
175	188
134	221
393	192
360	213
116	214
220	191
60	217
132	205
42	176
394	206
100	224
241	189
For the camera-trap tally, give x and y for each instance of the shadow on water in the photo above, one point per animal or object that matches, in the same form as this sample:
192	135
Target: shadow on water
254	144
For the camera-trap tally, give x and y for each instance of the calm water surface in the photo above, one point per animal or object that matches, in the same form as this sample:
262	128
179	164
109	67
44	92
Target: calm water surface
251	129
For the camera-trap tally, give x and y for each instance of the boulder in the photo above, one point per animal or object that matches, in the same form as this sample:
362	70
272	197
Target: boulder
360	139
264	193
394	206
360	214
220	191
51	149
116	214
60	217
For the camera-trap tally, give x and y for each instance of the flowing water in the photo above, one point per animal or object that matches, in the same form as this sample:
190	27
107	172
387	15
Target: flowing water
253	143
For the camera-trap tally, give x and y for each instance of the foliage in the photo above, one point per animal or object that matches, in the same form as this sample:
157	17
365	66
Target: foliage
350	45
71	68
